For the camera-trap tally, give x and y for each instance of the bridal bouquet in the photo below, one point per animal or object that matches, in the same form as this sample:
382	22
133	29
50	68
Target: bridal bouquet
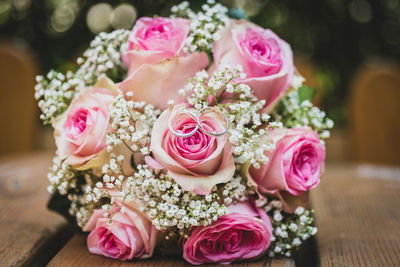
190	134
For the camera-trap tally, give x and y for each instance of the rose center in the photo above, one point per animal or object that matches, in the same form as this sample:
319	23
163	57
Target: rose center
197	146
158	31
76	124
194	142
257	49
304	162
263	49
109	243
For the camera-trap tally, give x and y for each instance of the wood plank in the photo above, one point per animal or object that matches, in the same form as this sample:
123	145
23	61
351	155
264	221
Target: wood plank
30	234
358	219
75	253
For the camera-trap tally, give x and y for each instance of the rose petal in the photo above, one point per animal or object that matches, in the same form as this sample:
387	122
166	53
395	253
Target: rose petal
171	75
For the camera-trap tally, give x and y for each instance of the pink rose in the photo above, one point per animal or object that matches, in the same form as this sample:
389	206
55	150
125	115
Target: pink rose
244	233
129	236
266	59
295	166
80	131
198	162
155	49
158	38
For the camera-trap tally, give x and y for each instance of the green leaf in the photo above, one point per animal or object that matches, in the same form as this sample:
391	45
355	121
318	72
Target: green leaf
306	93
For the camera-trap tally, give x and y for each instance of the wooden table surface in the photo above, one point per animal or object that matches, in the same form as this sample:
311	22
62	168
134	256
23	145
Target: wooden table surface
358	221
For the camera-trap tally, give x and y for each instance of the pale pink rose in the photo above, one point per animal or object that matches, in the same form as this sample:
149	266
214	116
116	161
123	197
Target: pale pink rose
266	59
158	66
129	236
244	233
154	39
80	131
198	162
295	166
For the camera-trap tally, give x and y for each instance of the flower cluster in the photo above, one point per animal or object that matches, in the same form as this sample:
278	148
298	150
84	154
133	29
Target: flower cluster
169	205
243	109
235	190
54	93
160	139
290	230
61	176
80	209
132	123
294	112
66	181
103	57
205	25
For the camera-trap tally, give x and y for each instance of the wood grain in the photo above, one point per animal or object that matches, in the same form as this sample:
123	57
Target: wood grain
30	233
75	253
358	219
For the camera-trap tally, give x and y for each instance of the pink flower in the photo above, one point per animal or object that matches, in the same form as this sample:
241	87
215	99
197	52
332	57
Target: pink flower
159	37
266	59
244	233
80	131
198	162
155	49
295	166
129	236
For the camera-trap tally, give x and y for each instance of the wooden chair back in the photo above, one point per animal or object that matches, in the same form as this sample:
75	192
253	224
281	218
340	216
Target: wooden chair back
374	120
18	112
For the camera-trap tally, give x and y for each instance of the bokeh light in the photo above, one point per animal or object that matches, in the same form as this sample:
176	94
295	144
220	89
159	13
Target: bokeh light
21	5
360	11
5	7
98	18
123	16
62	18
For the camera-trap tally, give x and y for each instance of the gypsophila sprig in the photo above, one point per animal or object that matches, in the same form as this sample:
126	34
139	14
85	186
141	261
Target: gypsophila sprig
244	111
293	112
132	123
61	176
204	25
66	181
104	57
113	177
168	204
80	209
54	93
290	230
235	190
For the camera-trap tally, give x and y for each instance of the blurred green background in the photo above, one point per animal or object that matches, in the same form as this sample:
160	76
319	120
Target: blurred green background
333	41
336	35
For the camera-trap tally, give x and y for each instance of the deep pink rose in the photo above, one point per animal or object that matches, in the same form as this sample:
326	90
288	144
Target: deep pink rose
295	166
242	234
155	49
198	162
130	235
266	59
80	131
